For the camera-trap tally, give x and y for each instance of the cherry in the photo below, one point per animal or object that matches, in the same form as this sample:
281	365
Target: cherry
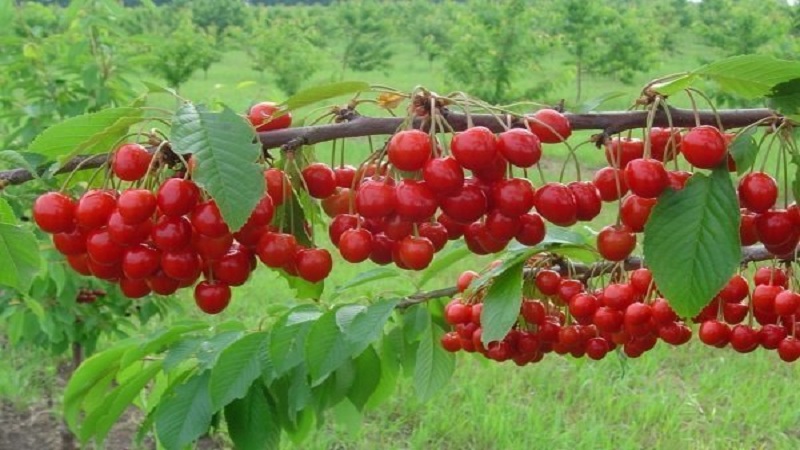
587	199
262	214
94	209
466	206
786	303
771	335
54	212
279	188
381	249
261	116
124	234
619	296
320	180
532	229
678	179
233	268
474	148
136	205
715	333
414	201
79	263
583	305
345	175
134	288
276	249
704	147
140	262
110	272
775	227
443	175
415	252
641	280
621	151
494	171
355	245
454	229
747	228
130	162
734	313
102	249
608	320
456	312
181	264
339	202
212	297
646	178
409	150
664	143
502	227
549	125
513	197
375	199
610	182
171	233
480	241
568	288
555	203
451	342
635	211
465	279
663	312
177	197
161	284
763	298
771	276
758	191
547	281
313	264
520	147
789	349
71	242
616	242
396	227
340	224
735	290
597	348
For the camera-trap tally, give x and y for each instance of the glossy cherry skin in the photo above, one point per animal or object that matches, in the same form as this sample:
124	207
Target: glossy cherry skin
616	242
409	150
177	197
136	205
279	187
182	264
466	206
320	180
621	151
532	229
345	175
260	116
502	227
207	220
125	234
513	197
454	229
375	199
130	162
355	245
520	147
54	212
434	232
610	182
339	203
313	264
416	252
758	191
414	201
715	333
94	208
70	243
495	171
646	178
664	143
555	203
276	249
678	179
549	125
102	249
262	214
381	249
233	268
212	297
134	288
474	148
587	199
704	147
340	224
140	262
775	227
635	211
171	233
443	175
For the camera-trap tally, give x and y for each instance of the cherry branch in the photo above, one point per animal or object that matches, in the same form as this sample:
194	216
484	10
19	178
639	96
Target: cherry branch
583	272
361	126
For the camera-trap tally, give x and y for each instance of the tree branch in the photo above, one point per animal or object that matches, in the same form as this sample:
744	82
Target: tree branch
361	126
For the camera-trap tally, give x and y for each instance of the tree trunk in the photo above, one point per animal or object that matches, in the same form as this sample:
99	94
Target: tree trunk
67	438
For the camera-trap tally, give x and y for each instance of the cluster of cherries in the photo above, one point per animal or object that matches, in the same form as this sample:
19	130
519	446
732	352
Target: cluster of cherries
770	304
88	295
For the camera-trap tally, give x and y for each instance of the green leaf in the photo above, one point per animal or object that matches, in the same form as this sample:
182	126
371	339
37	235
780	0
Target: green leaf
252	421
368	376
304	289
184	414
7	215
785	97
744	150
750	76
226	151
87	134
796	179
368	276
675	85
444	261
19	257
287	343
592	104
237	368
501	304
434	365
324	92
154	88
691	241
368	325
326	346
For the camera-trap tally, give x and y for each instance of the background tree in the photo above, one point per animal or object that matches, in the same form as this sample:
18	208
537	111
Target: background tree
216	16
365	34
738	28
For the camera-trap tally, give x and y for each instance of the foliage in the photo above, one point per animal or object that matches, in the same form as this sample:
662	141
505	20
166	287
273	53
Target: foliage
215	16
739	28
364	32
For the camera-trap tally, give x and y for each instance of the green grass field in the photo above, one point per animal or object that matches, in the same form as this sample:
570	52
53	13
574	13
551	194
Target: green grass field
691	397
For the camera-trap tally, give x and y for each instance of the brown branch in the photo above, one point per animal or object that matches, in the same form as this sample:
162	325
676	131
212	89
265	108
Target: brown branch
583	272
361	126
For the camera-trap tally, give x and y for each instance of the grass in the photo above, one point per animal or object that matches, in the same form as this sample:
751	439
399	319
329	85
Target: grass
690	397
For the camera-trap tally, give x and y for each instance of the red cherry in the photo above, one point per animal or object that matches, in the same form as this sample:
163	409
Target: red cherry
635	211
435	232
233	268
583	305
663	312
130	162
771	335
177	197
414	201
587	199
279	188
345	175
134	288
646	178
619	296
416	252
71	242
664	143
480	241
102	249
502	227
161	284
704	147
678	179
547	281
465	279
789	349
763	298
454	229
313	264
451	342
262	214
212	297
734	313
641	280
610	182
747	228
735	290
396	227
771	276
276	249
715	333
110	272
443	175
520	147
608	320
556	204
381	249
140	262
456	312
124	234
549	125
339	203
207	220
171	233
409	150
474	148
532	229
54	212
375	199
513	197
320	180
181	264
568	288
355	245
597	348
466	206
340	224
94	208
621	151
758	192
79	263
261	116
136	205
615	242
775	227
214	248
637	314
786	303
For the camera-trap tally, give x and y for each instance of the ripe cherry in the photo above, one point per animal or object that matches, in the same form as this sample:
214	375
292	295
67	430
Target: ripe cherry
678	179
130	162
345	175
233	268
735	290
381	249
355	245
313	264
320	180
454	229
451	342
789	349
555	203
181	264
610	182
715	333
621	151
664	143
774	227
520	147
549	125
771	276
494	171
375	199
786	303
758	191
443	175
212	297
704	147
171	233
177	197
513	197
136	205
134	288
125	234
340	224
262	214
532	229
616	242
79	263
771	335
635	211
456	312
279	187
465	279
646	178
140	262
71	242
54	212
435	232
597	348
502	227
414	201
261	116
467	206
339	203
94	208
747	228
207	220
161	284
474	148
102	249
547	281
415	252
276	249
587	199
619	296
409	150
